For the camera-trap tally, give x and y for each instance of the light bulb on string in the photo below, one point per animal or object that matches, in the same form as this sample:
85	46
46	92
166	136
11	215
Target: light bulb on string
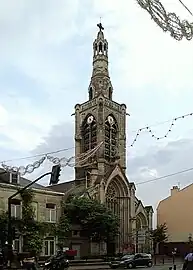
148	128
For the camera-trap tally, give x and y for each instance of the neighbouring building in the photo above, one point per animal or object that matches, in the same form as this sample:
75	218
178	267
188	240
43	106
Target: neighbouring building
47	206
175	211
101	119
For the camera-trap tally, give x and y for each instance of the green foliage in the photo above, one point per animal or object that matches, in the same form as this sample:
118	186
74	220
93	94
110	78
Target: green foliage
31	229
62	228
27	197
159	235
3	227
96	220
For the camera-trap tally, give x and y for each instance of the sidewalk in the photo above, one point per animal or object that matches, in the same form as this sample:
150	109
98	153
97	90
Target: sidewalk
88	267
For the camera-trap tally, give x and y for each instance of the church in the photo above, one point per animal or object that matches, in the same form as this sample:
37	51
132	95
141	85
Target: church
101	120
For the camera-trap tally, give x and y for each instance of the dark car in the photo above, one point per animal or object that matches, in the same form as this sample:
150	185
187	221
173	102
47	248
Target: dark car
132	261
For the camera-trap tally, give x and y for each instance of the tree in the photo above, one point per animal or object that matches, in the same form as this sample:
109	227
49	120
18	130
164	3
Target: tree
159	235
32	230
96	220
3	227
35	231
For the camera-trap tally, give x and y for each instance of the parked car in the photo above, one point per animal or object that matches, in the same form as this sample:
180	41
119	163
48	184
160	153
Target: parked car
132	261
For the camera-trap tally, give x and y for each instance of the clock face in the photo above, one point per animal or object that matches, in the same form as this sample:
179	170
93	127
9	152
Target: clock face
90	119
110	120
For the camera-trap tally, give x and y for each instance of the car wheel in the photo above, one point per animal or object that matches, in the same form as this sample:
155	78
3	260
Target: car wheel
130	266
149	264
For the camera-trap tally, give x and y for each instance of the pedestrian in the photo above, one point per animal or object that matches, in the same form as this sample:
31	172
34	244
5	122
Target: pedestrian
188	261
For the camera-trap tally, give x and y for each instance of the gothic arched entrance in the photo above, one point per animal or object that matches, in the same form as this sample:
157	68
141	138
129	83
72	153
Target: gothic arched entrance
116	198
141	233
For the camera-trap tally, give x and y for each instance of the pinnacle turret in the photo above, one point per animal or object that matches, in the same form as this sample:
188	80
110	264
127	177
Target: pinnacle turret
100	81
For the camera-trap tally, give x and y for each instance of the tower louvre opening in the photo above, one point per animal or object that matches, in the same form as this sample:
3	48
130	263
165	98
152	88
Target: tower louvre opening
111	131
89	133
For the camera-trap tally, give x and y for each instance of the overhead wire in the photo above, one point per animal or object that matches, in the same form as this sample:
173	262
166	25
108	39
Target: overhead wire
185	7
39	155
164	176
133	142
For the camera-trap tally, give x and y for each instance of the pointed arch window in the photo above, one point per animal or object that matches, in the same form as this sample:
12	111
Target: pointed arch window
100	47
105	49
90	93
95	49
111	131
89	133
110	93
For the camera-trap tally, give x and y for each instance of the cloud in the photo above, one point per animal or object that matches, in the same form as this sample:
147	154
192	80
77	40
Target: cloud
45	68
4	116
156	161
172	158
60	138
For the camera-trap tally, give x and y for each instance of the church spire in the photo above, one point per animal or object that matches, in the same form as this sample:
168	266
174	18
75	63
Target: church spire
100	81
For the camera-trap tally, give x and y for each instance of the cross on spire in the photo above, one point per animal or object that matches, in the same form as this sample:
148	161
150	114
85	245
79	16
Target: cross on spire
100	26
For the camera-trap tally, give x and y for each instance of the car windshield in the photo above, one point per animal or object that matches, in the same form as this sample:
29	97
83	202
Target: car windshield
126	257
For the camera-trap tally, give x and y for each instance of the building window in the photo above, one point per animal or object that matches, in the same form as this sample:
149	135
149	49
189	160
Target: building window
49	246
110	138
14	178
90	93
110	93
75	233
35	208
16	209
89	133
17	245
50	212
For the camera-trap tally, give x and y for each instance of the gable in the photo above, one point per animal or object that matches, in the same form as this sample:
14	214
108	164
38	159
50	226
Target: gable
184	195
118	173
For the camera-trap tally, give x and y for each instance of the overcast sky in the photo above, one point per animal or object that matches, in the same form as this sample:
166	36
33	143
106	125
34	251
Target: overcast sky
45	69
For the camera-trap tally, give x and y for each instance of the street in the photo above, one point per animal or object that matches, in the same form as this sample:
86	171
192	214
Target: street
155	267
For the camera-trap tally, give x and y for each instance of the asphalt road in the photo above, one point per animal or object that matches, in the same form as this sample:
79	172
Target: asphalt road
155	267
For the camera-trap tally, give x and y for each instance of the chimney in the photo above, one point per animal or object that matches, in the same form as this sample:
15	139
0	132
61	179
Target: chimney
174	190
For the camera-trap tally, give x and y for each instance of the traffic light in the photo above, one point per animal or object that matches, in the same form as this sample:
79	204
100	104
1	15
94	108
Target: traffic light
55	175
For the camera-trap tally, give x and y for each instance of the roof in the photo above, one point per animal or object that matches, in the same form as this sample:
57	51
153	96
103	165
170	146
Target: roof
149	208
180	191
63	187
4	178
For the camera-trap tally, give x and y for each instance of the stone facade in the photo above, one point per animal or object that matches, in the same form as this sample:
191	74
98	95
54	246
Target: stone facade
102	120
47	206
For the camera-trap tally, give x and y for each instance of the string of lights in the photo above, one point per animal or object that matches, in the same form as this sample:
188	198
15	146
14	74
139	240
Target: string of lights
168	21
63	162
149	129
137	131
38	155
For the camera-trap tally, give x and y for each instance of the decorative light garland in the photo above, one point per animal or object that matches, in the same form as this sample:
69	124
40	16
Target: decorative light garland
167	21
148	128
82	158
63	162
